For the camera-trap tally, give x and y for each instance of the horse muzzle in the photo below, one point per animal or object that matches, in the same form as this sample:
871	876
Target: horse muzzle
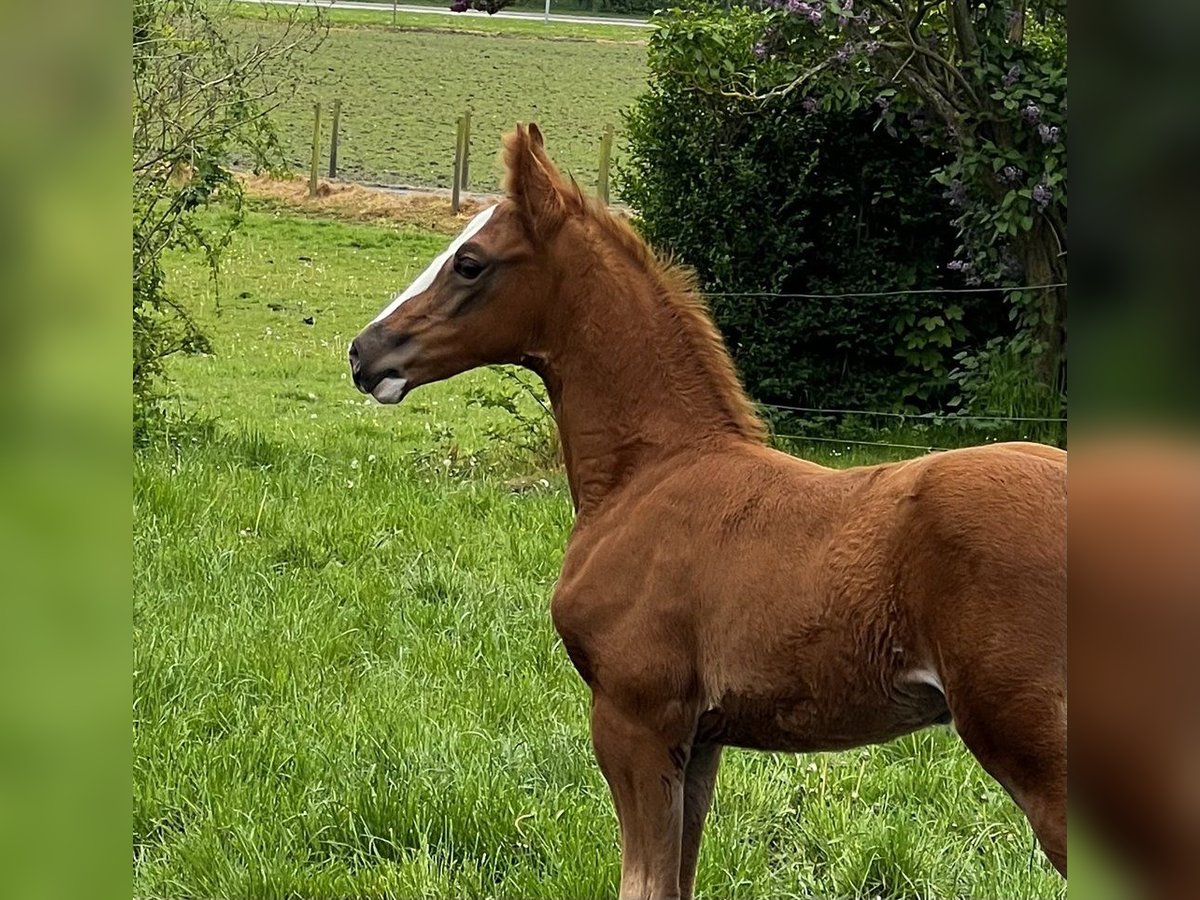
372	375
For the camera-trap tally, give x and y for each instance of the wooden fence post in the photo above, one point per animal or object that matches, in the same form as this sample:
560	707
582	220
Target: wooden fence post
316	150
466	152
605	154
456	182
333	140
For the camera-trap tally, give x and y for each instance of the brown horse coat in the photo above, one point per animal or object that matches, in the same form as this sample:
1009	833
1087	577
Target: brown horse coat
716	592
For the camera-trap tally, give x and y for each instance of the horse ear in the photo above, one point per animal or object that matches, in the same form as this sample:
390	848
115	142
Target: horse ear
535	137
533	183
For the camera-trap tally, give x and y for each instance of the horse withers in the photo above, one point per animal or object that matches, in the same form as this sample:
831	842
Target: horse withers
716	592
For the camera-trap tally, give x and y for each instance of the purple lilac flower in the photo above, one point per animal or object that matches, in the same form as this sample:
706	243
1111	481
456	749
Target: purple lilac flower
843	21
1010	174
956	194
1031	113
1042	196
1010	77
883	102
871	47
760	50
809	104
801	8
1048	133
844	54
957	265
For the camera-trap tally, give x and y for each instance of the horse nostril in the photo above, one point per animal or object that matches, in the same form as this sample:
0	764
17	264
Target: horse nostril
355	363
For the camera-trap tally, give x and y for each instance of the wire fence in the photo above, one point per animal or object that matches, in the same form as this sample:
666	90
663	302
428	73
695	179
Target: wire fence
926	448
896	293
898	418
919	418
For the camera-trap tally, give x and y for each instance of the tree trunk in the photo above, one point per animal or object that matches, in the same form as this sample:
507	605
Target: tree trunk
1043	264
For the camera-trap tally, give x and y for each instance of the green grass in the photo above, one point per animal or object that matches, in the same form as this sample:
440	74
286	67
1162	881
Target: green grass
402	92
346	681
557	7
382	20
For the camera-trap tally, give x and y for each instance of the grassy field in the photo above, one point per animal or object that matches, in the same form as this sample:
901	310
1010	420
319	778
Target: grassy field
557	7
346	681
402	91
483	25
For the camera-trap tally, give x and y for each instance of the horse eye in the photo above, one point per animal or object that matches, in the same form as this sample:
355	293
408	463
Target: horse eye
467	267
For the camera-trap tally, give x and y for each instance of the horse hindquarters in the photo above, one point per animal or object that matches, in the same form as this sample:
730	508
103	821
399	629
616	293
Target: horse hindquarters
1014	721
1002	651
984	580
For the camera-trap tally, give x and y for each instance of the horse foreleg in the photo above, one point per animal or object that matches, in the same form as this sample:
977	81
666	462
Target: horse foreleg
700	778
643	758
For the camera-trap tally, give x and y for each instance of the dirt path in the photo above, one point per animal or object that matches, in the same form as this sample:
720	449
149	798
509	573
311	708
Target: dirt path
422	207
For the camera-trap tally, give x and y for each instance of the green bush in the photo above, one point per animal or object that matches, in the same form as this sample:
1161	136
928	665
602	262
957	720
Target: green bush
789	196
197	96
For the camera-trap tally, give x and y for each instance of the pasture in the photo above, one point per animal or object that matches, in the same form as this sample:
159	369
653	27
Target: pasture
402	91
346	682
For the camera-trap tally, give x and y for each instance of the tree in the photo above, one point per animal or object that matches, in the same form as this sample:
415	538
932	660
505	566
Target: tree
777	197
986	81
198	94
983	80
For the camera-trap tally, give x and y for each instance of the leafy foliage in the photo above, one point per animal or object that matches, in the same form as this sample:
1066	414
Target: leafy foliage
791	195
986	84
196	97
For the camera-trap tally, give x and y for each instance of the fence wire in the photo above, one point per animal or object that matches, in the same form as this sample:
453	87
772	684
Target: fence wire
896	293
913	417
927	448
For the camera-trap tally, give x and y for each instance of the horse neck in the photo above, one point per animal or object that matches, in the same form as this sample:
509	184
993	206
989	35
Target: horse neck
637	377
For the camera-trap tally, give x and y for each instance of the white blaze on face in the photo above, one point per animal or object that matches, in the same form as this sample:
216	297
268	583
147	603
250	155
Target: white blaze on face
425	279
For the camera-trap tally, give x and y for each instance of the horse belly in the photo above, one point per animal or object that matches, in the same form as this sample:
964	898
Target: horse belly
822	717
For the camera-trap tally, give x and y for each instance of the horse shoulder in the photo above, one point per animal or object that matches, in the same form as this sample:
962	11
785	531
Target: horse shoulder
632	576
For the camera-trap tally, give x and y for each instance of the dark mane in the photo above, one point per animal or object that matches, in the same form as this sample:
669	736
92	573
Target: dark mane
680	293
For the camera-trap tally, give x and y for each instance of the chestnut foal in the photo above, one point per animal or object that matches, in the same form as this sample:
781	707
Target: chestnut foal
716	592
